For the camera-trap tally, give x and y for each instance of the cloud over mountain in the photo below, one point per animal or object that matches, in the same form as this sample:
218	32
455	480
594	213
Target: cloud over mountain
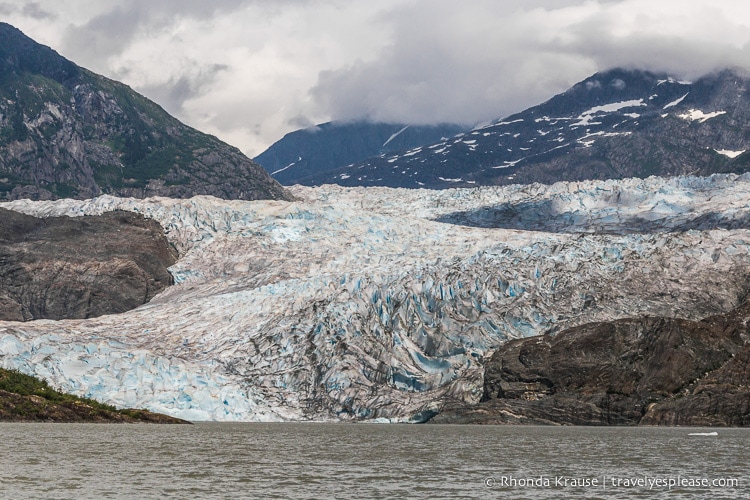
250	71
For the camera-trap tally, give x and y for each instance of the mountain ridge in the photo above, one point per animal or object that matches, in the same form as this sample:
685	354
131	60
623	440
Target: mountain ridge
67	132
328	146
615	124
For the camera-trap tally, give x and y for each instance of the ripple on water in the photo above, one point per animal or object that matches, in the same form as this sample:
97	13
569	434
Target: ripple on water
363	461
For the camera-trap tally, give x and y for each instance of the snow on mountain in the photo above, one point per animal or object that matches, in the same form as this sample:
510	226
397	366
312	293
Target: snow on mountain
700	116
615	124
329	146
380	303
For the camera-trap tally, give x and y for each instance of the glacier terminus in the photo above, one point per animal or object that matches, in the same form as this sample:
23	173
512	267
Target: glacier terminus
381	303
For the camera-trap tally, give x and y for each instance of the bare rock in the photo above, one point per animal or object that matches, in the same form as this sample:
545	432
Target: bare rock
80	267
645	371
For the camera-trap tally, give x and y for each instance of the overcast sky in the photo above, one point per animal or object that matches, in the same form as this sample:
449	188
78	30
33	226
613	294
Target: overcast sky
249	71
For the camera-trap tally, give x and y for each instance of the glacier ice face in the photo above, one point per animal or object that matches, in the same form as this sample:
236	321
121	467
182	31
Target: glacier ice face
363	303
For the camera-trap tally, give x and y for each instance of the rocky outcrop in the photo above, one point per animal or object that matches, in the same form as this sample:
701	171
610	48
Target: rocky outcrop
80	267
66	132
648	371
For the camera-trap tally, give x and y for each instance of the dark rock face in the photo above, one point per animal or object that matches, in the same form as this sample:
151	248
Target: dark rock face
68	133
80	267
649	371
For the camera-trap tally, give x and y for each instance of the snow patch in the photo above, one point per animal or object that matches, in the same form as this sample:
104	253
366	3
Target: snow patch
393	136
729	153
284	168
508	164
672	80
510	122
675	102
586	117
700	116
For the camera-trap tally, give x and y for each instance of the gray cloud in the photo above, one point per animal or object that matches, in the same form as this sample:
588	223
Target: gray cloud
35	10
488	59
112	31
446	64
173	94
102	36
250	71
686	43
300	121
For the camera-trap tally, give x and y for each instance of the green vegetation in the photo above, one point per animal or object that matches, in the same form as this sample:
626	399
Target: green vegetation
8	182
148	141
43	95
25	385
106	175
31	92
26	398
63	190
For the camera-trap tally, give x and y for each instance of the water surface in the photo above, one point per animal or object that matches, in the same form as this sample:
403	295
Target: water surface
308	460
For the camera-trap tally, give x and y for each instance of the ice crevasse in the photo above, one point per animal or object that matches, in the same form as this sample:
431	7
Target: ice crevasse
377	303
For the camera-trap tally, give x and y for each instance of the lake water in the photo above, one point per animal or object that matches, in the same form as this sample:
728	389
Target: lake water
307	460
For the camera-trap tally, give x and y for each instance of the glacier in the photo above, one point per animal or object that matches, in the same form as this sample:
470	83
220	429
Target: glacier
381	304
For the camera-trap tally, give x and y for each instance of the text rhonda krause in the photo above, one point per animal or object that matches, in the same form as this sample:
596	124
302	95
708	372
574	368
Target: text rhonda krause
668	482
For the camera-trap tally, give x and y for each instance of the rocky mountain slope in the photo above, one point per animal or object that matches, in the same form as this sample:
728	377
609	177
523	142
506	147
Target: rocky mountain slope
67	132
646	371
615	124
80	267
329	146
378	303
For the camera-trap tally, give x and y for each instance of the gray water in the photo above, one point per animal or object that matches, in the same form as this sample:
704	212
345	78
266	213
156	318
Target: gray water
369	461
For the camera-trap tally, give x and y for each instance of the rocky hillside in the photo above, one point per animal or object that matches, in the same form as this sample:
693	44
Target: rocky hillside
80	267
329	146
66	132
26	399
616	124
647	371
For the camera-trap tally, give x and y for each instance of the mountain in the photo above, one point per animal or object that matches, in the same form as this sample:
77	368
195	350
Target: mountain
360	304
67	132
316	150
615	124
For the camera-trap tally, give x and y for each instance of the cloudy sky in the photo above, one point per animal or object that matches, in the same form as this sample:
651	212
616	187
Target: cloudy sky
249	71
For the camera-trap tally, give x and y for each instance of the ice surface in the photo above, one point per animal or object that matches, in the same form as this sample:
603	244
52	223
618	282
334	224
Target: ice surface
377	303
